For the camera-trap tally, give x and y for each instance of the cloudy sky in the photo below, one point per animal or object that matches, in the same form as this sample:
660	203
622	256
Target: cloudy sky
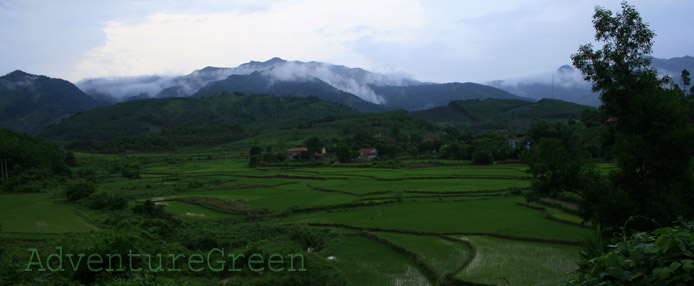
430	40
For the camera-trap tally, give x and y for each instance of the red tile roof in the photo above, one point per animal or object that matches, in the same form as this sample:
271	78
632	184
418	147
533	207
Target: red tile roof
297	149
366	150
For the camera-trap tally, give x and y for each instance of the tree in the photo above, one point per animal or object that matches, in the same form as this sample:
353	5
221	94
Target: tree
559	170
621	66
255	155
686	79
652	133
482	156
70	159
79	190
107	201
313	144
343	153
453	150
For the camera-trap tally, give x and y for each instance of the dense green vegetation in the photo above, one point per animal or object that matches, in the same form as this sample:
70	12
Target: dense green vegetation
29	103
502	112
662	257
466	198
253	112
198	200
31	164
424	96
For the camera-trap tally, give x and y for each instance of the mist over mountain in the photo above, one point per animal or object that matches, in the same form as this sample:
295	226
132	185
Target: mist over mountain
259	83
673	66
352	87
351	80
28	102
567	83
424	96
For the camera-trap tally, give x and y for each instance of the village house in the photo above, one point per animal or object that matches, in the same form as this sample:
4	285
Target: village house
294	153
367	154
517	143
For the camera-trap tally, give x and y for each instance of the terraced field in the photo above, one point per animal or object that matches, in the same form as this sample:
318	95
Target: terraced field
425	223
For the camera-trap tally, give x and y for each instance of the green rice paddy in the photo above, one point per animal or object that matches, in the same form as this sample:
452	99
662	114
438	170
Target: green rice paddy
443	197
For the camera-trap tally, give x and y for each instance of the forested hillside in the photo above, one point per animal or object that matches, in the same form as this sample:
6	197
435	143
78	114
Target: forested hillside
251	112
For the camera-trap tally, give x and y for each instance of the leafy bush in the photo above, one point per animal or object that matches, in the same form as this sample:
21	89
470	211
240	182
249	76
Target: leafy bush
79	190
482	157
10	269
663	257
130	172
150	209
28	188
107	201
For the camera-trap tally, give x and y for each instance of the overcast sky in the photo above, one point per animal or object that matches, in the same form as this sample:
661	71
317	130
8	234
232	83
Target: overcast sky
430	40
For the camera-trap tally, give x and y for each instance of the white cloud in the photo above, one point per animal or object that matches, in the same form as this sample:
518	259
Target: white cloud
431	40
302	30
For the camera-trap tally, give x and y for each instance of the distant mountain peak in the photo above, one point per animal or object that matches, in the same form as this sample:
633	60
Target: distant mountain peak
19	75
275	60
30	102
566	69
210	68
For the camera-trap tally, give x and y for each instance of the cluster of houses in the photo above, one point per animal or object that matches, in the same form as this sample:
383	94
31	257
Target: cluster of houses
367	154
295	153
519	143
303	153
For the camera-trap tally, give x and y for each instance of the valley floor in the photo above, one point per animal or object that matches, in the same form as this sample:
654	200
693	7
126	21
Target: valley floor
428	223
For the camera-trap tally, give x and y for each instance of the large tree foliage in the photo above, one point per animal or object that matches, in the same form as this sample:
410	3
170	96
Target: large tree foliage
662	257
652	132
31	163
621	66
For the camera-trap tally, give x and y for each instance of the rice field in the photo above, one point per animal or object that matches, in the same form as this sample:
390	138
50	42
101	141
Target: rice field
440	196
504	262
367	262
40	214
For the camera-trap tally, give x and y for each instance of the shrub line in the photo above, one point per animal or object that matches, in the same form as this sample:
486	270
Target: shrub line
331	190
551	217
417	232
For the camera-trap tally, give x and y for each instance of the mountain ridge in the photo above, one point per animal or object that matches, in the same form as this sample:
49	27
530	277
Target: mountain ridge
567	83
30	102
343	81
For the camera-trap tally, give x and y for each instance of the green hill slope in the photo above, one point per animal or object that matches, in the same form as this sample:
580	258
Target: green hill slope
417	97
139	117
257	83
493	109
28	103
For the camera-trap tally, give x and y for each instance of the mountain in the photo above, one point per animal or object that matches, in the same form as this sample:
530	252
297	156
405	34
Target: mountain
418	97
501	110
28	102
567	83
352	87
259	83
673	66
151	116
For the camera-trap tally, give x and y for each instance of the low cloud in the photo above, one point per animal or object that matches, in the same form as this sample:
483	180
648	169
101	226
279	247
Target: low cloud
120	88
352	80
